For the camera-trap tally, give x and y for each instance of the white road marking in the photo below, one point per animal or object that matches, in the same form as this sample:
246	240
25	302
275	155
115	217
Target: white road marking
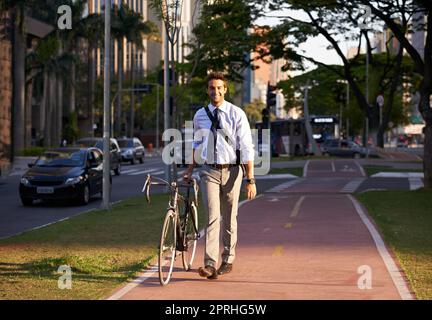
415	183
352	185
361	168
276	176
285	185
417	175
143	172
296	209
333	166
391	266
305	170
129	171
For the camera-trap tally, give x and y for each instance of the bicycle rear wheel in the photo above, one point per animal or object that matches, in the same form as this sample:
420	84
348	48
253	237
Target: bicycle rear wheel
191	238
167	248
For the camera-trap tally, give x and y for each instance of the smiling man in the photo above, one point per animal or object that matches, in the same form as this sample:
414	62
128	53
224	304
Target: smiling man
228	152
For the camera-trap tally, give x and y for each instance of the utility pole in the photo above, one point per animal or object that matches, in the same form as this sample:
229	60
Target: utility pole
315	149
107	110
166	98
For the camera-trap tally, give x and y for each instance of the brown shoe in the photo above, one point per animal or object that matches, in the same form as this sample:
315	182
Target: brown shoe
208	272
225	268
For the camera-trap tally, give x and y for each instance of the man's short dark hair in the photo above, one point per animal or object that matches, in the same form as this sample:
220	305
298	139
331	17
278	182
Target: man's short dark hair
216	76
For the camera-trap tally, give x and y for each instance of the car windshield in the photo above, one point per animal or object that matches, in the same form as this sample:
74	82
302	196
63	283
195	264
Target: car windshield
125	143
61	159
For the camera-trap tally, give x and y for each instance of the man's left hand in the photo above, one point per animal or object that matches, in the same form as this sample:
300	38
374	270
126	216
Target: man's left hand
250	191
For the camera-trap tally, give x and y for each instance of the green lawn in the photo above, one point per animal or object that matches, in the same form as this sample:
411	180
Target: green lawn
295	171
405	220
103	248
371	170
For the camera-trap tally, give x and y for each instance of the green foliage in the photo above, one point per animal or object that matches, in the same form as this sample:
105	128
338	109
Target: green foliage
70	130
254	111
32	152
223	42
328	92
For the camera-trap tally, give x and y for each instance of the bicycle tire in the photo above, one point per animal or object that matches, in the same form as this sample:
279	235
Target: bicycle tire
167	248
191	238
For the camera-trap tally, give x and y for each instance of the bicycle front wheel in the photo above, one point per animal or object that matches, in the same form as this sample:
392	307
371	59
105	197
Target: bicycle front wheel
167	248
191	238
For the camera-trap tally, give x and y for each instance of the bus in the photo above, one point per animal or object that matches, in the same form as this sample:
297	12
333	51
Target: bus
289	136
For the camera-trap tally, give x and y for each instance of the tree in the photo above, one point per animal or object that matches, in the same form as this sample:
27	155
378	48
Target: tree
127	24
387	10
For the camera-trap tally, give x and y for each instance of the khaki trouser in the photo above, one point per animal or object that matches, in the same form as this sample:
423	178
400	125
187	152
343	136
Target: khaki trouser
221	190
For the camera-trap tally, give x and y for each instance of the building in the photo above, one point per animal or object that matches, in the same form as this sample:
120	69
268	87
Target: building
257	80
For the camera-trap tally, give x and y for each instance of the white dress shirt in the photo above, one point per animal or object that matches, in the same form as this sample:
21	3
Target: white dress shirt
235	124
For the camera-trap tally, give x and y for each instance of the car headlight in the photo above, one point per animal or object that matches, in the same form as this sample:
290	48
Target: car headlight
74	180
25	181
129	152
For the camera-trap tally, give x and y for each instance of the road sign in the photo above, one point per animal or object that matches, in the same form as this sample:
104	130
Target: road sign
380	100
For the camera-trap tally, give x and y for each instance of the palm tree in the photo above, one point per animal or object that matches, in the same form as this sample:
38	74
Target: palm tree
127	24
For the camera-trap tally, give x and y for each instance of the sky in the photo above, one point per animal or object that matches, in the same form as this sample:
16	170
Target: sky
314	47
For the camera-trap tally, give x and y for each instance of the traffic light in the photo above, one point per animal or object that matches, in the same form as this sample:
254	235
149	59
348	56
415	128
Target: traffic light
265	118
271	96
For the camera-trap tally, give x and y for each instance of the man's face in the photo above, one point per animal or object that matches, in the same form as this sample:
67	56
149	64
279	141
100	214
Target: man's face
216	90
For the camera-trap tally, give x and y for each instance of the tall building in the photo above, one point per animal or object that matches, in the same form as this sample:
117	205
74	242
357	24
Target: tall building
268	72
149	58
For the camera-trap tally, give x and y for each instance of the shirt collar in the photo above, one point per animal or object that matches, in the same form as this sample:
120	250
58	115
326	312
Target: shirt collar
223	107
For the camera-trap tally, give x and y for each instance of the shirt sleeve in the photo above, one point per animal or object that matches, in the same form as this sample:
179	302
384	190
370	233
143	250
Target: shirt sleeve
198	140
244	136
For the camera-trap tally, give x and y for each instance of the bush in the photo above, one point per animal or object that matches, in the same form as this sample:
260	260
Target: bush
32	152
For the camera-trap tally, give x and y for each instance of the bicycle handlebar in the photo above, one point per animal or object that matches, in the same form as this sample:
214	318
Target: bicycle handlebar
173	186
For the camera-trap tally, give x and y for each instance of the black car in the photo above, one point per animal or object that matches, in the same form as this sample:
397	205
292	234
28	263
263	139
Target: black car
115	153
63	173
131	149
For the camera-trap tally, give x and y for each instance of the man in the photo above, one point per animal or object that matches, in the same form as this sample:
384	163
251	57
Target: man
228	142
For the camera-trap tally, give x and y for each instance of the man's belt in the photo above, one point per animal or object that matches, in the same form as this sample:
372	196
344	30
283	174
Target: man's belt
222	166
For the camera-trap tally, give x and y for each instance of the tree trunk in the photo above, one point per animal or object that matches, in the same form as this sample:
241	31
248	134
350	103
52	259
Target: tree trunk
72	88
18	113
427	156
120	87
132	106
389	105
59	113
28	114
92	84
44	107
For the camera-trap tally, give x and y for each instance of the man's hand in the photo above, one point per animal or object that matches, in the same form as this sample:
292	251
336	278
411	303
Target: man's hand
187	175
250	191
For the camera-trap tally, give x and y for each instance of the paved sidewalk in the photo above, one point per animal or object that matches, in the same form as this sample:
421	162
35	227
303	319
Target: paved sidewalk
297	243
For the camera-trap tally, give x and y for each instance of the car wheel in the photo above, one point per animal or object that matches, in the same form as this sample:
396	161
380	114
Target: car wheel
117	170
27	201
132	161
141	160
84	197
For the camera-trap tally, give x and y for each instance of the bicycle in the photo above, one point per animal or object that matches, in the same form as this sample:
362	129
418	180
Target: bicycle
179	231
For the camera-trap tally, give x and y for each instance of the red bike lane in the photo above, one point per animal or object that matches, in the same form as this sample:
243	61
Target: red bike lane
293	244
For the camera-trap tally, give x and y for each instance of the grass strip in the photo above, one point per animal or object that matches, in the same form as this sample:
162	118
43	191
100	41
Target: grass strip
405	220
